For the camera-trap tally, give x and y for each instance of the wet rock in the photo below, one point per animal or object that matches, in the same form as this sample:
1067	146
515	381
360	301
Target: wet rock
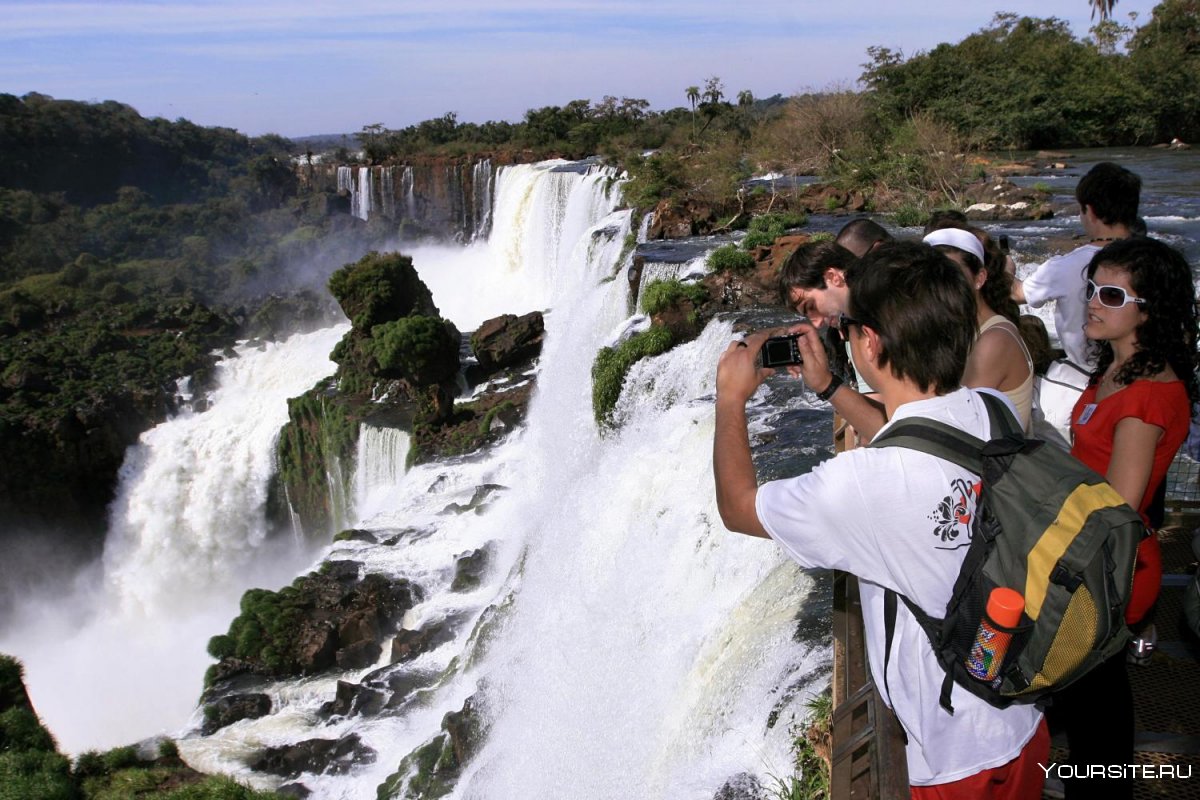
506	341
234	708
469	570
332	756
343	570
478	499
355	698
408	644
358	655
294	790
356	535
466	729
742	786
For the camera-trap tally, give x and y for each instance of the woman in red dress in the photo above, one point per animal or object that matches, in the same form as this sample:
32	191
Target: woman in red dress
1128	425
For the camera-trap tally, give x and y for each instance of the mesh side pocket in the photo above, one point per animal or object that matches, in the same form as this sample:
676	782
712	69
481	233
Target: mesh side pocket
1073	641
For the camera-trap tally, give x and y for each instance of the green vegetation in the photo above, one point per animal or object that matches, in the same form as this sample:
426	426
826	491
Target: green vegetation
1025	82
613	363
730	258
811	750
418	349
764	229
661	294
265	630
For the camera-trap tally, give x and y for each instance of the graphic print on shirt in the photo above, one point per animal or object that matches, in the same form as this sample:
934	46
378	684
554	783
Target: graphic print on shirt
952	517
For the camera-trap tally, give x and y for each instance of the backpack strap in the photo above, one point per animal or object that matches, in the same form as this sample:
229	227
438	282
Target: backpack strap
889	633
932	627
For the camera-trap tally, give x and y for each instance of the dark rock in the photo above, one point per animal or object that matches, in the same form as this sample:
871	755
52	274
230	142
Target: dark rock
404	684
233	708
331	756
466	729
477	501
342	570
294	790
408	644
742	786
469	569
358	655
356	535
316	648
507	340
355	698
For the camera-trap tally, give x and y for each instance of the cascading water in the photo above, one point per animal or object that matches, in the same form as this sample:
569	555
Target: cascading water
124	659
622	643
379	466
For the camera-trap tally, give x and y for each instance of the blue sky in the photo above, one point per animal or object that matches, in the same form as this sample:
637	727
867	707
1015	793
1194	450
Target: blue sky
300	68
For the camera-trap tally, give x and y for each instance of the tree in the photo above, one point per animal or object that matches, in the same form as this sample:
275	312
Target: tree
693	96
1103	7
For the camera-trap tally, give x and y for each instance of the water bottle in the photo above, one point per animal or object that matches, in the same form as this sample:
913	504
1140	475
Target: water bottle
1004	608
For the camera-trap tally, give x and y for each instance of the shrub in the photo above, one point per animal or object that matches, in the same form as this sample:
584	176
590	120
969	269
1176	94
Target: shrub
729	258
420	349
613	363
659	295
909	215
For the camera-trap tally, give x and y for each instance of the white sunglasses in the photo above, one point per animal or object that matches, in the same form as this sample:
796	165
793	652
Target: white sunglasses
1111	296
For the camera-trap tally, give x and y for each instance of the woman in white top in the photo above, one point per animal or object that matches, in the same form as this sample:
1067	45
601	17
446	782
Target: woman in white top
999	360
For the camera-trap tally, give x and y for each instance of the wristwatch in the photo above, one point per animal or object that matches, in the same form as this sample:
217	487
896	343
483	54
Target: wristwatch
828	391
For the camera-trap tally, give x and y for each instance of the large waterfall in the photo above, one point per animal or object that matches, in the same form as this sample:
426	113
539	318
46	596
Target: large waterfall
123	658
621	643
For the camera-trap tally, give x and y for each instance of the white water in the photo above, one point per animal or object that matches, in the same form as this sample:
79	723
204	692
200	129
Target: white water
124	658
379	466
643	647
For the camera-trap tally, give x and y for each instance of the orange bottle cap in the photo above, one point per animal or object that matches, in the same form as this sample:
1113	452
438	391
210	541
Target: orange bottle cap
1004	606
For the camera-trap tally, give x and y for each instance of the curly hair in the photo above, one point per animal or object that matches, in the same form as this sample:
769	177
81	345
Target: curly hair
1159	274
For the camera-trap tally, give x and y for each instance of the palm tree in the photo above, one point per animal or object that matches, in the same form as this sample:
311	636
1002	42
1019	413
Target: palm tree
693	96
1105	8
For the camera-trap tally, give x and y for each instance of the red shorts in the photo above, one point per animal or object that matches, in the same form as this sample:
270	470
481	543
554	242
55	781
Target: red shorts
1019	779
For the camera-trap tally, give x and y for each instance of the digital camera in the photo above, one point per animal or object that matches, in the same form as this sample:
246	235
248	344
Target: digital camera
781	351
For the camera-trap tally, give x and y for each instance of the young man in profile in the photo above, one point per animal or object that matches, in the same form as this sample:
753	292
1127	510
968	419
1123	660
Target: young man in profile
896	518
1108	197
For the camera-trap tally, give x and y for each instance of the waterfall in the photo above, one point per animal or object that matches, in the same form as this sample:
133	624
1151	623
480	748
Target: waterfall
360	200
638	649
481	191
387	191
187	535
379	466
409	210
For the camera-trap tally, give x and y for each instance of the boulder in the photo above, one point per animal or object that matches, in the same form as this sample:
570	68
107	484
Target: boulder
358	655
354	698
332	756
507	341
999	199
234	708
469	569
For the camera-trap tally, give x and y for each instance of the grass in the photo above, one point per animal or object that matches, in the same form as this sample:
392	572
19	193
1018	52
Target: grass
810	780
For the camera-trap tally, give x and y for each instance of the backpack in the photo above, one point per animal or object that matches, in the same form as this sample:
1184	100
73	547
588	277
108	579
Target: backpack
1046	526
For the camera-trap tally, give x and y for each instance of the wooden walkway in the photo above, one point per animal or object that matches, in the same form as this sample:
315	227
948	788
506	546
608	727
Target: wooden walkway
868	755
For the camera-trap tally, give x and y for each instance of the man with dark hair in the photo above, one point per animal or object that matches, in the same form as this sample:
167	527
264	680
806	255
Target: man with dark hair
896	518
1108	197
862	235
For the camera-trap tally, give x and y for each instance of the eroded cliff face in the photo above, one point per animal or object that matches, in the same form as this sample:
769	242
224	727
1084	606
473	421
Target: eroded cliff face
441	197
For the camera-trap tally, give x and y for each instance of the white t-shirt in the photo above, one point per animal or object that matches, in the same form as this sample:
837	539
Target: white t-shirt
1063	279
900	519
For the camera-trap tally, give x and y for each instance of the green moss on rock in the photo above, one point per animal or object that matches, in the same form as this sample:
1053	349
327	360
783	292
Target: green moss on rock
613	363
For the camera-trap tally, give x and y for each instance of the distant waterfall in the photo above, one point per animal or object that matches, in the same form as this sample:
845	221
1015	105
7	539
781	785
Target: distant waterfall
409	207
187	536
481	192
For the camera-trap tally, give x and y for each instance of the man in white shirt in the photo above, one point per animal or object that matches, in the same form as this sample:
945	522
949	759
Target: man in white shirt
1108	197
896	518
